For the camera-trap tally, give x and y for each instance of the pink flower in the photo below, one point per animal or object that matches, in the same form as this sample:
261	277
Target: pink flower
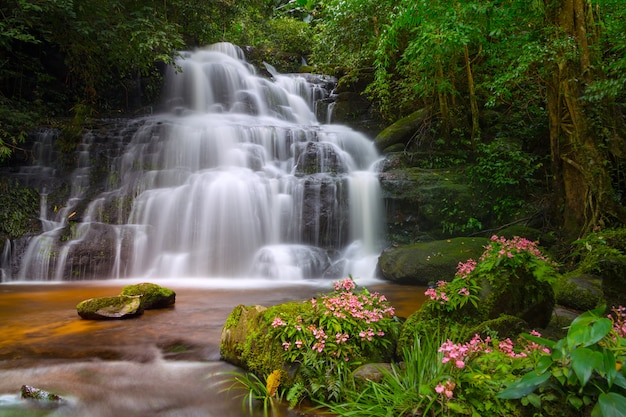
464	291
286	345
446	389
278	322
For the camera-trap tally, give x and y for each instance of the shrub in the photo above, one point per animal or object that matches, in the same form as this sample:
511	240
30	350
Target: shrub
338	332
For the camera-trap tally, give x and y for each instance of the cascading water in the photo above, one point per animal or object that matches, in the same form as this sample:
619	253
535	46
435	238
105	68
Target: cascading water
237	179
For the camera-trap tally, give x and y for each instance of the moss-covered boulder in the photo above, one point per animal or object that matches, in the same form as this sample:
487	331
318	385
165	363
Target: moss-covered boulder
246	340
315	342
108	308
424	263
518	294
152	296
580	292
509	289
401	131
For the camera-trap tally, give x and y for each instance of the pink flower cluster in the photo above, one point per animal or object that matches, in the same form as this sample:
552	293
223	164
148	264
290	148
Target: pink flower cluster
438	293
446	389
278	322
345	285
370	308
320	338
370	333
512	247
344	312
459	353
464	269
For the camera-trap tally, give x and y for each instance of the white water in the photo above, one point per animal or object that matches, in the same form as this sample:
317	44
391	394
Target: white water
238	179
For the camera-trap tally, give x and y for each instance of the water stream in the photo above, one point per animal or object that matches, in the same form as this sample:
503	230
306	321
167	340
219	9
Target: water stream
237	179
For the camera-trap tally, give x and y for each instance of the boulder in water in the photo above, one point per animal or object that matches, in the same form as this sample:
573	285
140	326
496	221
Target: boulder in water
152	296
32	393
107	308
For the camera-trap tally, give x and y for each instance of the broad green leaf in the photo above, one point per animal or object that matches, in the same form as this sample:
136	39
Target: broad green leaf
610	404
584	362
544	363
540	340
588	331
523	386
610	369
620	380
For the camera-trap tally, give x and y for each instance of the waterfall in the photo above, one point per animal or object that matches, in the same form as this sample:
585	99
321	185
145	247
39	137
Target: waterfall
5	260
237	178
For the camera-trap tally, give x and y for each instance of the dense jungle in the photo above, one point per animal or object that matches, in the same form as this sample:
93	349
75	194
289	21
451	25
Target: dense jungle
501	126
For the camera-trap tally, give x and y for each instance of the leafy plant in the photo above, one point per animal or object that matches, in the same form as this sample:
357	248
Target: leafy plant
405	390
505	173
338	331
599	245
584	369
517	255
266	393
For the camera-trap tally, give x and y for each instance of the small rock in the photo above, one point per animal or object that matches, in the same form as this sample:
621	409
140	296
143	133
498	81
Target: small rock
106	308
152	296
371	372
32	393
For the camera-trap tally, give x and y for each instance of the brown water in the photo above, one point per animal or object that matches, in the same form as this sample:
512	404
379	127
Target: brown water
165	363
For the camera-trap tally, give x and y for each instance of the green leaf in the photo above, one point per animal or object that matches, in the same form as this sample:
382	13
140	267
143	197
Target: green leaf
523	386
584	362
540	340
588	328
610	405
544	363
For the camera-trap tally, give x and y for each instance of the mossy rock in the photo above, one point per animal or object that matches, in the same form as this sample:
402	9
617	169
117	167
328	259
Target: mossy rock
579	292
505	326
518	294
109	308
152	296
246	342
401	131
31	393
424	263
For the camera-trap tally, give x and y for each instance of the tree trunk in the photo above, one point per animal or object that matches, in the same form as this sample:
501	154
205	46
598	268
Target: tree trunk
472	97
582	180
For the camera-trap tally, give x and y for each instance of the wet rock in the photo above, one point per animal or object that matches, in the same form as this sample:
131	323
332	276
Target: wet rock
425	263
32	393
152	296
107	308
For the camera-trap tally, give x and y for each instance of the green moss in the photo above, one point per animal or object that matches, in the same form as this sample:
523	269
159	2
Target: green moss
579	292
116	307
152	295
503	326
427	262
